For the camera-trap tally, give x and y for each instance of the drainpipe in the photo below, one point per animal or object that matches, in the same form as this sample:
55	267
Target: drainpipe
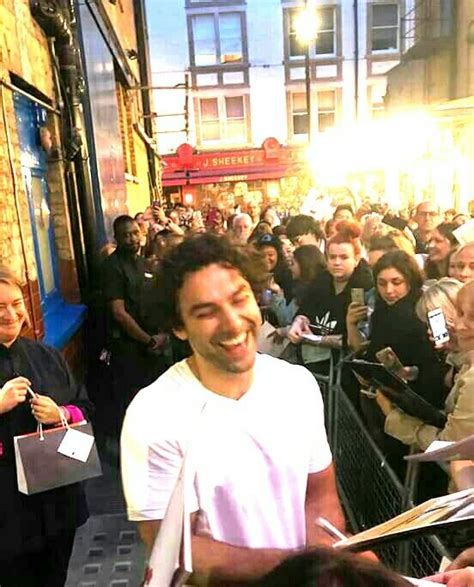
145	82
356	59
55	20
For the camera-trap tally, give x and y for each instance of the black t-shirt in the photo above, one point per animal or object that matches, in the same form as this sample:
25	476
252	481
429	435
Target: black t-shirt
322	305
124	278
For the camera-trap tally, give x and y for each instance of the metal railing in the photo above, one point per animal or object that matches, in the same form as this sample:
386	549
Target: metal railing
370	491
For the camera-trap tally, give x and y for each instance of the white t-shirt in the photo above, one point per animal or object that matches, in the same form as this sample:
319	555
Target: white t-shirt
252	456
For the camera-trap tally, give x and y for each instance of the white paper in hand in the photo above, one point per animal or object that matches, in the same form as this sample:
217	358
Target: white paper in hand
76	445
437	444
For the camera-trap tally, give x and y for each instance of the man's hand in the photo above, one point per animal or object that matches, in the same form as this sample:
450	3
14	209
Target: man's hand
46	410
459	578
13	393
299	327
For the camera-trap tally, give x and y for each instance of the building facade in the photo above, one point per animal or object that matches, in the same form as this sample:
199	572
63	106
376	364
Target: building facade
435	76
61	177
232	73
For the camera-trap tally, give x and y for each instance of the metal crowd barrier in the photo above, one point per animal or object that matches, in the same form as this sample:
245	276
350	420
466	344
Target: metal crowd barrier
369	489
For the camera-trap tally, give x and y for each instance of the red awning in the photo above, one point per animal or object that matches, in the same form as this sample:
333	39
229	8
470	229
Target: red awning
272	161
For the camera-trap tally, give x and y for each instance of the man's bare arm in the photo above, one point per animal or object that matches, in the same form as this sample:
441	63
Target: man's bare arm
322	500
122	317
218	561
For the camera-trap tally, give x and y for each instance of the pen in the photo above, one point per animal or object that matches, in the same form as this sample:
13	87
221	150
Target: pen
31	392
330	529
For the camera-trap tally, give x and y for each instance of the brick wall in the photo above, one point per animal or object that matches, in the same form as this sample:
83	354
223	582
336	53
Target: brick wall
24	52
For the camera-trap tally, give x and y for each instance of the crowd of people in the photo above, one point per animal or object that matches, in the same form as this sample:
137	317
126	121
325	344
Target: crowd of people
180	378
195	325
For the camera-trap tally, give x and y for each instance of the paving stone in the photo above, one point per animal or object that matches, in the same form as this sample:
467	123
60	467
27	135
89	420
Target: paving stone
107	553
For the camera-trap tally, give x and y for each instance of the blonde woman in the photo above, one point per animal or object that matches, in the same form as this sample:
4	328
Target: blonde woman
36	531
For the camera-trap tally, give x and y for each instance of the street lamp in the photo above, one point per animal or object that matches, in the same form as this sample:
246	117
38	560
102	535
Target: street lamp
306	27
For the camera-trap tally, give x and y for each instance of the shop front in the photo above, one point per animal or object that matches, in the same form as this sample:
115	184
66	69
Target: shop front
265	175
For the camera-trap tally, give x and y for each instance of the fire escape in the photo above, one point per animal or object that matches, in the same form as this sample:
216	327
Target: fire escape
428	27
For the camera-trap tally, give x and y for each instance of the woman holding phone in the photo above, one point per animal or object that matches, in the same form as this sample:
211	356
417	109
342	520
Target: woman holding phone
36	531
394	324
459	405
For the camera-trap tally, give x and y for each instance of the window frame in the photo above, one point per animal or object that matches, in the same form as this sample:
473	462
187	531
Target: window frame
297	136
213	3
218	65
223	139
288	11
371	28
320	111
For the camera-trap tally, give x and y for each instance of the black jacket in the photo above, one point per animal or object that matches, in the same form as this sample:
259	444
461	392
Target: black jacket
398	327
26	522
320	297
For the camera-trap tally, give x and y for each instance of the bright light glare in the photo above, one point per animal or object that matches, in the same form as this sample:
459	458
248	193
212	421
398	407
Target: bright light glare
306	25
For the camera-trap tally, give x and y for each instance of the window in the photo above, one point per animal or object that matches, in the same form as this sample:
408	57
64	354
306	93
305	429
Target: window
235	118
210	127
299	114
325	42
326	110
384	27
223	119
217	38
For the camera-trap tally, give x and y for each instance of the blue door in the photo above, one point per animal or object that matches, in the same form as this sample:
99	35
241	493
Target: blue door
30	117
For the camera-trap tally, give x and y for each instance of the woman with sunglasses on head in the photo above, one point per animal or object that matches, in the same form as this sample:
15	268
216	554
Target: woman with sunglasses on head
36	531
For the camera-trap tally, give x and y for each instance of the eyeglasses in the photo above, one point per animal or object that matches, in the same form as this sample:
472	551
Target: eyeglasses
430	214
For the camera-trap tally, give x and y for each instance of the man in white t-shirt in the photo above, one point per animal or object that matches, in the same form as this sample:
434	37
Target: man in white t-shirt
263	466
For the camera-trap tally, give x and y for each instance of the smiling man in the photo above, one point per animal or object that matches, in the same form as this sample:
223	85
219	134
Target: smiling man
263	465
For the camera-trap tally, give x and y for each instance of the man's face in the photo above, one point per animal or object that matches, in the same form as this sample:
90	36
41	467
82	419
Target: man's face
463	264
221	319
128	237
243	228
427	216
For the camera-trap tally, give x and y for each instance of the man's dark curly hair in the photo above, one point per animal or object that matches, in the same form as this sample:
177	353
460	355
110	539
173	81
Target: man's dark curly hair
195	253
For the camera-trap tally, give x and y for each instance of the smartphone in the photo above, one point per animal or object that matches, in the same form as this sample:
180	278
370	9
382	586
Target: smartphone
389	359
438	326
357	296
